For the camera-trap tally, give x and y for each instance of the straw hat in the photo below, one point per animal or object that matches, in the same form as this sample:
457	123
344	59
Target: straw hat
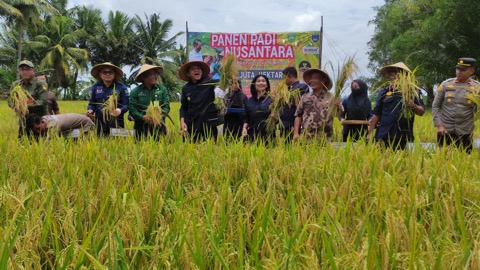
308	74
97	68
395	68
145	68
182	72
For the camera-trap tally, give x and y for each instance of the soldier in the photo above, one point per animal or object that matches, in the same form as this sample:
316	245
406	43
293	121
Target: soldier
52	102
454	106
314	112
37	89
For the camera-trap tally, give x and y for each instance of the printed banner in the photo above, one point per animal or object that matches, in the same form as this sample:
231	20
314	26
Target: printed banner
258	53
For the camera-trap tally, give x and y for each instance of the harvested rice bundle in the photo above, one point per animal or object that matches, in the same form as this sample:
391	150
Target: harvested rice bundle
345	72
282	97
228	73
19	100
406	84
110	105
154	111
228	79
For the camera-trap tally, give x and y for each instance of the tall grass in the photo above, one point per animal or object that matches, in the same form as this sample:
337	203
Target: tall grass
121	204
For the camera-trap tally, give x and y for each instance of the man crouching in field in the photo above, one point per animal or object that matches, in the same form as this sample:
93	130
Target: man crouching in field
61	124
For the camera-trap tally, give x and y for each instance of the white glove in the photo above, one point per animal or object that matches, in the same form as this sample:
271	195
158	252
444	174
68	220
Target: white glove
220	93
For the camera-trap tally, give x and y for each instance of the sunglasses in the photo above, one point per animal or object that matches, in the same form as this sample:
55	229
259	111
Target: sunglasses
107	72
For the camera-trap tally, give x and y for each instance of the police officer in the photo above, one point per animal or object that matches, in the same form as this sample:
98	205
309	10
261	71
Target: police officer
395	129
37	90
454	106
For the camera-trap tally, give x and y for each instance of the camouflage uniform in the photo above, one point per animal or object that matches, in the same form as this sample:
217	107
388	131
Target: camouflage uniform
315	110
38	90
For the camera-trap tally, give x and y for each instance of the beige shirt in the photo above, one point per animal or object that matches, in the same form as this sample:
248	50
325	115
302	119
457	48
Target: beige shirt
63	123
453	106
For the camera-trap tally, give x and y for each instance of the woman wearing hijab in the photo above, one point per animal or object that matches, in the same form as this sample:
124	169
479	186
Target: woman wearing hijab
235	101
357	106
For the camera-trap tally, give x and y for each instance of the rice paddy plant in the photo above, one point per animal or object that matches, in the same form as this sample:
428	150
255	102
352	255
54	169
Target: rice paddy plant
110	104
406	83
173	205
155	112
343	73
18	101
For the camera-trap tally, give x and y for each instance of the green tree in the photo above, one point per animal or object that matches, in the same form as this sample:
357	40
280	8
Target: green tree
429	34
156	47
24	13
58	44
113	41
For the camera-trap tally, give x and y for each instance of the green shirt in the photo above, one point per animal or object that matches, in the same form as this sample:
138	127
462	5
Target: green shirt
141	97
38	90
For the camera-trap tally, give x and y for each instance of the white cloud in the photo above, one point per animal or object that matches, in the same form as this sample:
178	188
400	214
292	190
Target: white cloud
345	21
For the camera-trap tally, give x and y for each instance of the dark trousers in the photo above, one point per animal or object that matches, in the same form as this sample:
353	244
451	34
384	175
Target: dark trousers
460	141
147	130
232	127
355	132
393	143
202	132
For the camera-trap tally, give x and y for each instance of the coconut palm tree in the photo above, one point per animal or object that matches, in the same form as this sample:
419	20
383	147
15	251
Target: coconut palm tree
58	44
23	13
113	41
157	47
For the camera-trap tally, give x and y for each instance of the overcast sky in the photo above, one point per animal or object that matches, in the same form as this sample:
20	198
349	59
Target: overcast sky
346	29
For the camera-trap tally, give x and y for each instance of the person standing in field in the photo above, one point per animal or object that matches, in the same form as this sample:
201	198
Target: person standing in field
148	93
37	90
60	125
315	110
357	106
52	102
108	76
257	111
199	116
395	129
235	115
455	105
287	113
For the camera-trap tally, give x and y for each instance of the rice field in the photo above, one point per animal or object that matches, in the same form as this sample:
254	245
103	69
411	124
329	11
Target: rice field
120	204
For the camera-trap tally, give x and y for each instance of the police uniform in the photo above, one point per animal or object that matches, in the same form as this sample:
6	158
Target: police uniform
38	90
62	124
454	108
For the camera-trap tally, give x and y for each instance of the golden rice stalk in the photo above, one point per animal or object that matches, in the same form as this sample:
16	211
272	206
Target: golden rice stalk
474	96
348	70
110	105
406	84
155	112
228	72
282	97
18	101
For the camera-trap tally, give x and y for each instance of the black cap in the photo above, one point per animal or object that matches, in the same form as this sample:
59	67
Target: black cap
466	62
304	65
